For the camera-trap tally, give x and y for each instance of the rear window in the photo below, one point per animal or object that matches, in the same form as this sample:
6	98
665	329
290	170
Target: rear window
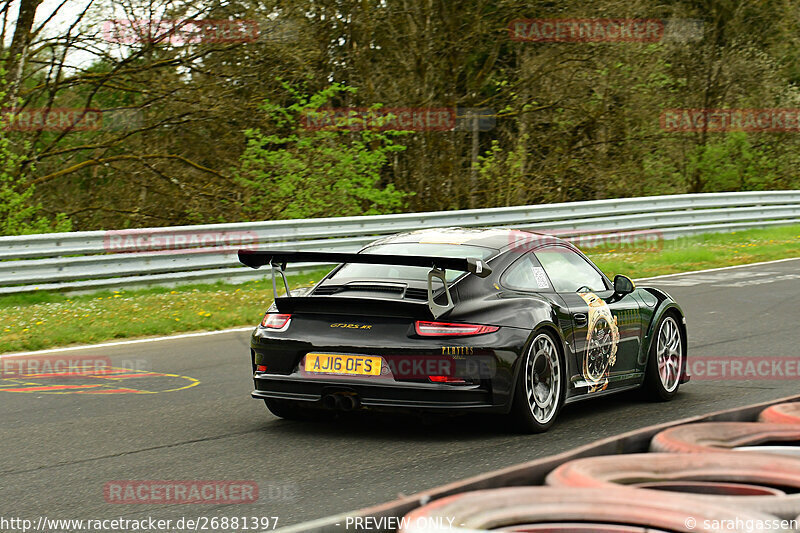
411	273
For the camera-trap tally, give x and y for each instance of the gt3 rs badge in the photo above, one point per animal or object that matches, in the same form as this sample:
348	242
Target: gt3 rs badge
602	338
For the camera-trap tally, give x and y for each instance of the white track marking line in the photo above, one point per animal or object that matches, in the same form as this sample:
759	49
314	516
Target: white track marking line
234	330
719	268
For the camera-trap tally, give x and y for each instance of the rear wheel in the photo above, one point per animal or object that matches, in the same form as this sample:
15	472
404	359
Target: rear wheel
666	360
540	390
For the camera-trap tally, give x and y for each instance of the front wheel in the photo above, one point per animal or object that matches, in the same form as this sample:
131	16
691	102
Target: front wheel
540	391
666	361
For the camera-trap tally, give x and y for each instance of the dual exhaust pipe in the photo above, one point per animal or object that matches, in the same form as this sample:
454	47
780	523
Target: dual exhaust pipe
342	402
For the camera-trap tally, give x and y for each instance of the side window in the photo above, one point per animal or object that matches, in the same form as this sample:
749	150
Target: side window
569	271
527	275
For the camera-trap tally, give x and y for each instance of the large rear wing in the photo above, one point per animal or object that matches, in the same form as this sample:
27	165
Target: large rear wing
278	259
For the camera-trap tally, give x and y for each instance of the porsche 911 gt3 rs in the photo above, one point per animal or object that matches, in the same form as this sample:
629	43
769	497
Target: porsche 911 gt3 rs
457	320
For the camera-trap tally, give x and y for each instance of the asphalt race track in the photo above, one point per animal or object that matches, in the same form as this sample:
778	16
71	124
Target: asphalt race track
198	421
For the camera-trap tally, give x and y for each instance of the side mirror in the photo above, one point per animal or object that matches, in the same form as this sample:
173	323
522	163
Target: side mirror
623	284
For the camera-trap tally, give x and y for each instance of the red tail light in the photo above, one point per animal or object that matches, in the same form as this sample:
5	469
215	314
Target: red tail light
276	321
447	329
446	379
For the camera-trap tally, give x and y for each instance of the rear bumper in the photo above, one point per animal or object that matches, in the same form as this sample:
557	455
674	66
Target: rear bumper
397	395
488	360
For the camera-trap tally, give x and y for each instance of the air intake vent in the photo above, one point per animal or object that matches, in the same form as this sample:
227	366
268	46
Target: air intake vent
367	287
417	294
326	290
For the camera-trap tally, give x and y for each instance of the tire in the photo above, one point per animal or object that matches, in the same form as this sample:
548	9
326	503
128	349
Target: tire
667	357
782	413
717	436
290	410
725	469
543	509
539	395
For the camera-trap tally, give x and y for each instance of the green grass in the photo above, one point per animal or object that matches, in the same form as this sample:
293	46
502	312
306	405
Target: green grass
47	319
699	252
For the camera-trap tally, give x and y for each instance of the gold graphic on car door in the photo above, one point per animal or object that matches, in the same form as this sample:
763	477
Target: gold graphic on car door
602	338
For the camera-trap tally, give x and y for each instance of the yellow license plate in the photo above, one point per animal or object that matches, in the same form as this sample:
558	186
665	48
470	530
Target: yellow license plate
354	365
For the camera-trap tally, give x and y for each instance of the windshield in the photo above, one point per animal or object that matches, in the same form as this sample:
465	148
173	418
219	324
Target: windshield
411	273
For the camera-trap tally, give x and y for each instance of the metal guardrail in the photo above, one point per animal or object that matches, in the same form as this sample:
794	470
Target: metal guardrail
101	259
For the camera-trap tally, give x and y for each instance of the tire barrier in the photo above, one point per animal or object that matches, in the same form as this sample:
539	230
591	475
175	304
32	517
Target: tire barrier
738	485
782	413
556	510
717	469
793	451
712	436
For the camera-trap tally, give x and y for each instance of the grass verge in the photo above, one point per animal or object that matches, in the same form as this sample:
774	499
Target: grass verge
46	319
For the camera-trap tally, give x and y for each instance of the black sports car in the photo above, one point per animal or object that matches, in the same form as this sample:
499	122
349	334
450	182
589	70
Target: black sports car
491	320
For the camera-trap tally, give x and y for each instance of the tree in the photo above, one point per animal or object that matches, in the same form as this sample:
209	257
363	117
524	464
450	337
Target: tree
574	121
18	213
294	172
